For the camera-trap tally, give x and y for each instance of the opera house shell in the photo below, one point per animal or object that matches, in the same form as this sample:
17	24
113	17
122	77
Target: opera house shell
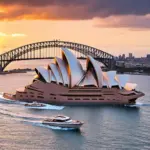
65	82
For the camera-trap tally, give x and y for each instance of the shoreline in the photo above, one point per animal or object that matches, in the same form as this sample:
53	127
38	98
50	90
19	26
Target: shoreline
134	73
30	70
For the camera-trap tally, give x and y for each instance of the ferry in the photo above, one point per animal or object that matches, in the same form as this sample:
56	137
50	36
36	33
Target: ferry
34	104
63	122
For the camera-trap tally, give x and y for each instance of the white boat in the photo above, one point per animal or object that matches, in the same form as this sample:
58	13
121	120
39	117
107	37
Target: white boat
35	104
63	122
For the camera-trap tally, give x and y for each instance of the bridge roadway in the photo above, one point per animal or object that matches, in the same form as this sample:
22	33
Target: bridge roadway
50	49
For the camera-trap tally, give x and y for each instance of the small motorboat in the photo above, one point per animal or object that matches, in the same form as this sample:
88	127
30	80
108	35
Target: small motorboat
34	104
63	122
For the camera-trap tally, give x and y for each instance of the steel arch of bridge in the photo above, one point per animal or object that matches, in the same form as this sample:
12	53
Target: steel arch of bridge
19	53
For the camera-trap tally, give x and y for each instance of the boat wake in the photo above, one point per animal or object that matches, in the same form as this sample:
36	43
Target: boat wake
20	115
138	104
52	107
39	124
30	119
47	107
34	120
5	100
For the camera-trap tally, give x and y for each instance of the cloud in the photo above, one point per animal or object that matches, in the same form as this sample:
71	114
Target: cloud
1	11
99	7
64	9
129	21
120	12
45	13
11	35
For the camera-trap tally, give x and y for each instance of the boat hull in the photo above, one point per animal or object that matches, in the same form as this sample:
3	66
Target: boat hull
64	125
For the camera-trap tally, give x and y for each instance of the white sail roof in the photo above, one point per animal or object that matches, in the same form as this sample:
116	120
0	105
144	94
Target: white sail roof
63	70
105	79
68	71
74	68
111	78
56	73
92	64
122	79
53	78
43	72
88	80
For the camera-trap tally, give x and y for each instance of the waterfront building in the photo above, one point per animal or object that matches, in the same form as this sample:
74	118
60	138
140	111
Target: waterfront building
65	82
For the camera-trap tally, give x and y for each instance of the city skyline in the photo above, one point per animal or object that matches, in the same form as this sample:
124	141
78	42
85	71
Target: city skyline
112	26
132	55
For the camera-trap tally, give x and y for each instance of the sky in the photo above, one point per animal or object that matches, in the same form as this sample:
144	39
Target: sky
114	26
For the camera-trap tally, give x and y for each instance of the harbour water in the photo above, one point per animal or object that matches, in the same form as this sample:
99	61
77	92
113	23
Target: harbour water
106	127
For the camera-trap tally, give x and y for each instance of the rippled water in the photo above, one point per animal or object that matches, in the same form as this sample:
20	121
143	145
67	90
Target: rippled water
106	127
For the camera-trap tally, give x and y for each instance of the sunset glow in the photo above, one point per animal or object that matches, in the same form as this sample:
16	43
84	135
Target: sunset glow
93	23
3	34
2	10
17	35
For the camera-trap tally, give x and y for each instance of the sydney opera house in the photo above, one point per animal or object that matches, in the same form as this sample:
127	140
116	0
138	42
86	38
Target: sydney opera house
65	82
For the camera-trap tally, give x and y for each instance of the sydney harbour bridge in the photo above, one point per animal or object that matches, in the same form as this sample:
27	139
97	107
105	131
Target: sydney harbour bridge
50	49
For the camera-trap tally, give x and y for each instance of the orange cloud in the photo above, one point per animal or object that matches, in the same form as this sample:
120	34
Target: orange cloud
2	11
18	12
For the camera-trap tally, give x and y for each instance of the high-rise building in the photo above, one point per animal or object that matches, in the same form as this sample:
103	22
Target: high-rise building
130	55
148	56
123	56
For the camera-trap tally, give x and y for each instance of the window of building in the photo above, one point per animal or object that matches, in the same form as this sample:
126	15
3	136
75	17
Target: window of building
40	97
77	98
85	99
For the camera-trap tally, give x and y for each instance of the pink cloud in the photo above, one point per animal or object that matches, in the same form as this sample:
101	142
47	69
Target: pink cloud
129	21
